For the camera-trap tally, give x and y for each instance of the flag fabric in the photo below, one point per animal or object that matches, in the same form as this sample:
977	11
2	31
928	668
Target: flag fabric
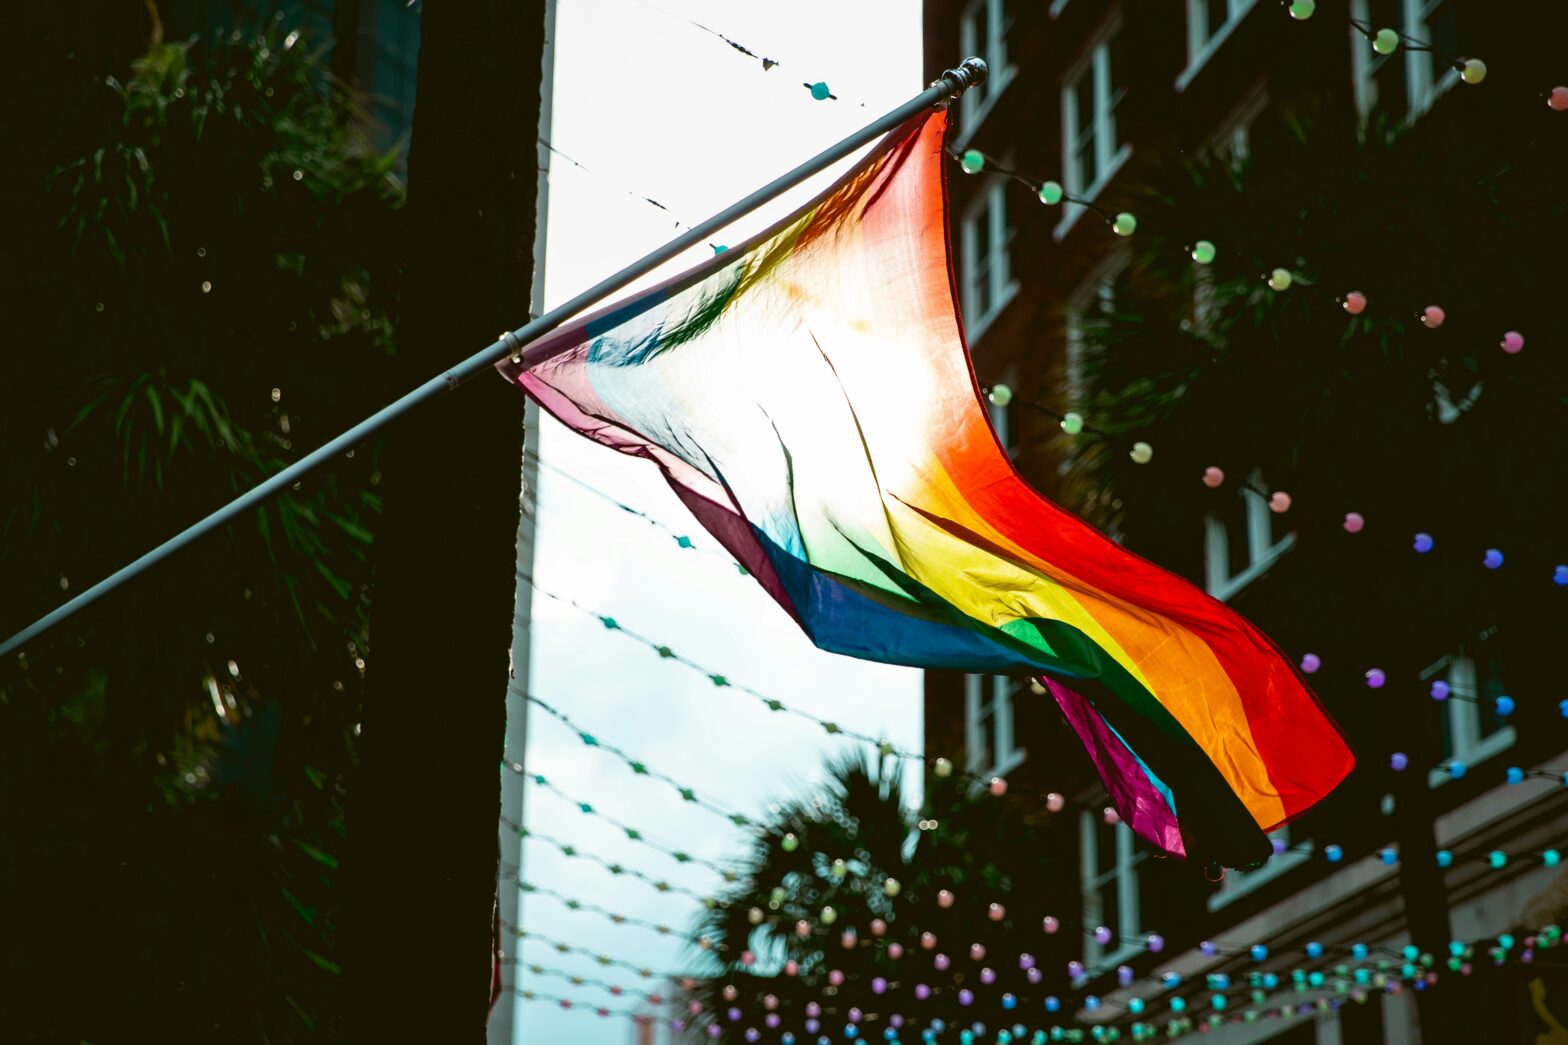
810	398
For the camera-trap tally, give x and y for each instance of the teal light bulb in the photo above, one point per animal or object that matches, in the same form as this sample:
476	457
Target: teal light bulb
820	91
973	161
1051	193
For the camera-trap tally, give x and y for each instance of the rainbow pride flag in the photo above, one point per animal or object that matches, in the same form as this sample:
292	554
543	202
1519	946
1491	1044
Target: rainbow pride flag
810	398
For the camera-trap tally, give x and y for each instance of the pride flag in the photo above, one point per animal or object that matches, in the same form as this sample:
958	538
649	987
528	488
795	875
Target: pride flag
810	398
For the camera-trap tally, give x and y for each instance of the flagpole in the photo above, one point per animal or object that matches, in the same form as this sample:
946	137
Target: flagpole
945	89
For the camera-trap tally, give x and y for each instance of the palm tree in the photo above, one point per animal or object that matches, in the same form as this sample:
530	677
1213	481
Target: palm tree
849	896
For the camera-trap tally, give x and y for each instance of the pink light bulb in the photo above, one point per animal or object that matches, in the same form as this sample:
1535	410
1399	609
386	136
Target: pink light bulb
944	899
1432	317
1279	502
977	951
1513	341
792	968
895	950
1051	924
1355	302
836	977
996	912
878	927
1055	802
998	786
1354	522
1213	477
1559	99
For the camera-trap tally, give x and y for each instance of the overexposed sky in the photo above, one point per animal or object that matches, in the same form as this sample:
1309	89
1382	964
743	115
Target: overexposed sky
652	104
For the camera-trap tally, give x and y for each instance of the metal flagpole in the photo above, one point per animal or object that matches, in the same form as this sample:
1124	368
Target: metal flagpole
950	85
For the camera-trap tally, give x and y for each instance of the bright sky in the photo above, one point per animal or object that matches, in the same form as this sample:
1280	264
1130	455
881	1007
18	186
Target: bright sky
650	103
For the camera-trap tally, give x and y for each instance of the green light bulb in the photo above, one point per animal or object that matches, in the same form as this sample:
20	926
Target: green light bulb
1072	423
1001	395
1280	279
1141	453
1301	10
789	843
943	768
1203	252
1385	42
829	916
1474	71
1051	193
1125	224
973	161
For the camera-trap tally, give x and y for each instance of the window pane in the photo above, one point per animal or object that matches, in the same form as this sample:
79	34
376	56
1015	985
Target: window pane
1442	31
1111	911
1217	16
1489	686
1234	519
1088	167
1116	87
983	44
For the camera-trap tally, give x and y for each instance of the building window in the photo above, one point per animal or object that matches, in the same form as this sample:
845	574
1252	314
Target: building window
983	31
1112	856
1472	730
987	240
1209	24
1427	76
1092	143
988	733
1002	416
1237	884
1088	309
1242	538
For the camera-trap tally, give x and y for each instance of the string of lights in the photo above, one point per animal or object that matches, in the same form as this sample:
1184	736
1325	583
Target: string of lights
641	768
572	903
605	960
616	868
633	834
614	989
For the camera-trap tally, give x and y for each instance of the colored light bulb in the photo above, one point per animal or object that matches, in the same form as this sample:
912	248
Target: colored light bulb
996	912
1399	761
1560	575
943	768
1156	943
1141	453
1280	279
828	916
1001	395
1512	342
1301	10
1125	224
1457	769
1051	193
1504	706
1388	856
1432	317
1279	502
1497	858
789	843
1376	678
1440	690
1072	423
891	887
1493	559
1423	543
1258	952
1314	950
1054	802
1050	924
973	161
1310	663
944	899
1213	477
997	786
1355	302
1385	42
1558	99
1551	858
1354	522
1102	935
1204	252
820	91
1514	775
1473	71
941	963
1333	854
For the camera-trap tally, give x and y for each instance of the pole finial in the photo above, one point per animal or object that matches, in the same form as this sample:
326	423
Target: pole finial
971	72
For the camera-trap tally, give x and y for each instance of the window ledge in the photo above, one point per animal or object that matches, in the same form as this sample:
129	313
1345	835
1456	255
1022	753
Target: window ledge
1106	962
1227	590
1491	747
1073	211
1251	880
996	83
1214	43
974	330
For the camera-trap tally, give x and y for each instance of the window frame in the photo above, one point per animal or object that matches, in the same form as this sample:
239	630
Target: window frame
1421	90
1095	62
1000	731
1219	580
1198	55
975	106
990	205
1463	709
1123	945
1098	288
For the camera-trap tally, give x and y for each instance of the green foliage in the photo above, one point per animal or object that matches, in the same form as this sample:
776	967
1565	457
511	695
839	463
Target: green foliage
982	849
208	293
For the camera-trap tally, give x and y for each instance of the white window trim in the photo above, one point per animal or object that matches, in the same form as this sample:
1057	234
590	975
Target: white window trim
1239	883
1364	62
1094	290
1262	550
1057	6
999	72
1096	62
1464	717
1236	11
1421	92
1003	738
1128	857
992	202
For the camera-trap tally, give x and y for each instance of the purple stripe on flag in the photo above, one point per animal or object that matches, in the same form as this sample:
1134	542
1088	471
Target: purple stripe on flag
1140	803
